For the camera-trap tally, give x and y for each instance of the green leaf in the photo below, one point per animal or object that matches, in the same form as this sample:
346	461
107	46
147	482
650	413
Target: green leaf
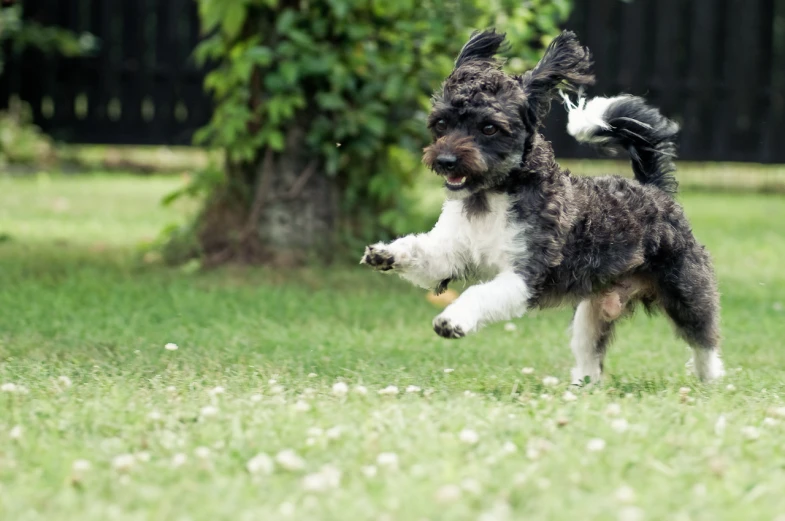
275	140
233	19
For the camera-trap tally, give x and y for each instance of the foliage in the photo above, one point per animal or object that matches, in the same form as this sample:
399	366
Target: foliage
357	74
20	140
24	34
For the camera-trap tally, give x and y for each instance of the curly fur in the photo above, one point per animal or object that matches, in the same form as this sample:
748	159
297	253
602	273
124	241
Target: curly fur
537	236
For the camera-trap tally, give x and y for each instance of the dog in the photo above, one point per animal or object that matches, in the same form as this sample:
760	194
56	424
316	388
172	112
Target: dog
538	236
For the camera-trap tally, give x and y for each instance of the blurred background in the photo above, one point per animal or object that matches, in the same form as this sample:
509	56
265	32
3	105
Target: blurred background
295	127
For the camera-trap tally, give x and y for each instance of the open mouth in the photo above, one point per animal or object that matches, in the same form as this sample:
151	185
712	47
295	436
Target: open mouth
455	181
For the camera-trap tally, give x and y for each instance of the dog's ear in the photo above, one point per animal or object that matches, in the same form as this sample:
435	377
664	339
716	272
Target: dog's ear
566	64
482	46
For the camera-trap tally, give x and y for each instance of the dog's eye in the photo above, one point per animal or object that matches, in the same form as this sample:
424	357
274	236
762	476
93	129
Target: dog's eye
489	130
440	126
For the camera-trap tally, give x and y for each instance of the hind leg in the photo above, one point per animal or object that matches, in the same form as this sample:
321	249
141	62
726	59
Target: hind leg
592	330
688	294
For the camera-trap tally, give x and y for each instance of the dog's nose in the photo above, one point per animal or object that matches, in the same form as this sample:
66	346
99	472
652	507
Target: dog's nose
447	161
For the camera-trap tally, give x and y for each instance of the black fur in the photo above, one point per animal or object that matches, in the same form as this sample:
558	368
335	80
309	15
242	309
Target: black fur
649	138
482	47
586	236
565	64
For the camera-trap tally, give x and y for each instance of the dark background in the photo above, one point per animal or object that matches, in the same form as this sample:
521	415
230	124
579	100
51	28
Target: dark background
716	66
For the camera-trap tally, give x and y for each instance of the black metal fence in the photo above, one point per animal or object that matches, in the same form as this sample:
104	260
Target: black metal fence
717	66
140	87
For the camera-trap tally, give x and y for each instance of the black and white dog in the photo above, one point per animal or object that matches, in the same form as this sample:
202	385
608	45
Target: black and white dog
539	236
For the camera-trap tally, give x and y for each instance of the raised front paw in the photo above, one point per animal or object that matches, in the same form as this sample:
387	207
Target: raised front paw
378	257
446	328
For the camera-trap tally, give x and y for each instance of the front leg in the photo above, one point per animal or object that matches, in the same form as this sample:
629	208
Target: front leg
425	259
503	298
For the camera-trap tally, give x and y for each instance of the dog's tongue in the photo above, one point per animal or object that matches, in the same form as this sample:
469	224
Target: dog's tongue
454	178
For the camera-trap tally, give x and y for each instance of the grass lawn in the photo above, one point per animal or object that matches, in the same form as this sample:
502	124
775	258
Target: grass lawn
98	421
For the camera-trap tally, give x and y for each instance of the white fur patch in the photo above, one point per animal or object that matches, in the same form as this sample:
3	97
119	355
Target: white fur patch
587	117
585	335
484	245
707	364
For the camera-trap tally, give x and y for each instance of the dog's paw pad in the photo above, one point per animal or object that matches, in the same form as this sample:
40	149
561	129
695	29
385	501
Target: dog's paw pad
378	258
445	328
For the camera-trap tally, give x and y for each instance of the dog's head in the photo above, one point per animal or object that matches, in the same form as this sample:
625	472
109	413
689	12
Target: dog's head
482	119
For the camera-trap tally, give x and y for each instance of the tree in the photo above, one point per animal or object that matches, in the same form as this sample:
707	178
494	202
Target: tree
319	109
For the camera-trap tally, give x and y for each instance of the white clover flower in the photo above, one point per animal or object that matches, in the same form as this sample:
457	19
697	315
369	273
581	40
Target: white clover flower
171	389
340	388
684	390
550	381
631	513
527	370
302	406
569	397
751	433
730	387
79	466
595	445
171	347
208	411
625	494
468	394
260	464
154	416
510	327
769	422
334	433
64	381
387	459
777	411
286	509
312	375
449	370
8	387
448	494
327	478
178	460
202	452
289	460
413	389
613	409
471	486
215	391
272	381
509	447
277	389
123	462
361	390
142	456
369	471
15	433
256	398
469	436
620	425
315	432
720	424
390	390
545	397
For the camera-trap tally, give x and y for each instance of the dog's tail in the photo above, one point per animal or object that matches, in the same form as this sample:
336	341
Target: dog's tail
627	122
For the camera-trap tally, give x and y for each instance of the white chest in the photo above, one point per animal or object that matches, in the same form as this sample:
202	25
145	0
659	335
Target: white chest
490	241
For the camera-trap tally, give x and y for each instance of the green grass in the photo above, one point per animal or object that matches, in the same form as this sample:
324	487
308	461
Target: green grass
74	302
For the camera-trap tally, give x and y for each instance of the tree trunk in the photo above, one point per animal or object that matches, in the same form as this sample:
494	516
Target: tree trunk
278	210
